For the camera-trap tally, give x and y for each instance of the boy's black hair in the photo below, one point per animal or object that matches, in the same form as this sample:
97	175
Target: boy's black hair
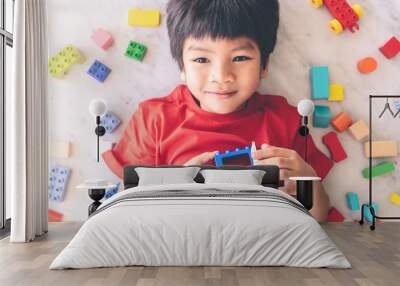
255	19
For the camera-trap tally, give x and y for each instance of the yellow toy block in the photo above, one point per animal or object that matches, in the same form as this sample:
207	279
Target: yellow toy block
395	198
381	149
359	130
60	149
336	92
144	18
63	60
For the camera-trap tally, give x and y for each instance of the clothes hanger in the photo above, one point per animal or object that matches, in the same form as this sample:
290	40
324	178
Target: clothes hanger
387	107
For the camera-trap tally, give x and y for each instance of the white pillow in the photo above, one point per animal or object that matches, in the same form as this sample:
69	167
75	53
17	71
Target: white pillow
248	177
163	176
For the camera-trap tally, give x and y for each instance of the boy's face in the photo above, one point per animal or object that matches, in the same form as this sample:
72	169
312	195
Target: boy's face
222	74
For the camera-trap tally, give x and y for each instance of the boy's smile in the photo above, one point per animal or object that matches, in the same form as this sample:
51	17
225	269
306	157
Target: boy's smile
222	73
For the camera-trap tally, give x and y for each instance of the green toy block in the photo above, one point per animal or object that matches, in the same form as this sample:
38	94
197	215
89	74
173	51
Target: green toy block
380	169
63	60
322	116
135	51
320	88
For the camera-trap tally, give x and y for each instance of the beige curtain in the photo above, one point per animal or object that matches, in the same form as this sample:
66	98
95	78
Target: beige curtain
27	132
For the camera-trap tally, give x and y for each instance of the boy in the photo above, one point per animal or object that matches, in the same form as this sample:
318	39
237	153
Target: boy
222	48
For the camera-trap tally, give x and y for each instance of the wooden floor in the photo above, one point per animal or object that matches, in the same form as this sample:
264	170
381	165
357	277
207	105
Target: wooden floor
375	257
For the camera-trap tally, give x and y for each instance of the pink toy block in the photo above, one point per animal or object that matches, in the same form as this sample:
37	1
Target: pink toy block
335	147
102	38
391	48
334	216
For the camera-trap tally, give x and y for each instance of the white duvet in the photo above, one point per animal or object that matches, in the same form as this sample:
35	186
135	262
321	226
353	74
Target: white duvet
185	230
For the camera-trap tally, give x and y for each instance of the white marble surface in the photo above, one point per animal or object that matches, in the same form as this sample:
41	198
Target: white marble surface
304	39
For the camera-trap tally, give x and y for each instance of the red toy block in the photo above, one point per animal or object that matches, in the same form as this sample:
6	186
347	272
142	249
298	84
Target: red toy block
342	11
341	122
391	48
54	216
334	216
335	147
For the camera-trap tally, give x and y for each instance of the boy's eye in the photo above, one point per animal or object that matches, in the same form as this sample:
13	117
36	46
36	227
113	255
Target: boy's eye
201	60
240	58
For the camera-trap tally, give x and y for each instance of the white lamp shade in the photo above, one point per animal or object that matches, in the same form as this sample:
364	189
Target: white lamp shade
97	107
305	107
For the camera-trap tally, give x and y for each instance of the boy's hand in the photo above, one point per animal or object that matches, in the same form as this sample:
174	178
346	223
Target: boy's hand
201	159
289	162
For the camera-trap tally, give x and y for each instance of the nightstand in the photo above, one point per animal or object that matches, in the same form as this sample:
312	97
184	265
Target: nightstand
96	190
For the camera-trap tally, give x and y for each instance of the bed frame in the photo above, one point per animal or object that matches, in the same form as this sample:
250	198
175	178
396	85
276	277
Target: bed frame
270	179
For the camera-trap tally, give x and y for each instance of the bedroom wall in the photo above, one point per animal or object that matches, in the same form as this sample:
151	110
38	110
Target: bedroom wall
304	40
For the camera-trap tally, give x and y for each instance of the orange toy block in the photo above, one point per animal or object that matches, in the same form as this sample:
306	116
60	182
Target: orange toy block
381	149
54	216
334	216
367	65
341	122
359	130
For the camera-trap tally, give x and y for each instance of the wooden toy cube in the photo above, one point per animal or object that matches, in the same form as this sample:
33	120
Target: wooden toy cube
58	181
359	130
110	121
135	51
322	116
380	169
336	92
341	122
102	38
144	18
319	82
335	147
60	149
99	71
352	201
381	149
391	48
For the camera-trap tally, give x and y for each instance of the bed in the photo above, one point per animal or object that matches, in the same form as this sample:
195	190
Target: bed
201	223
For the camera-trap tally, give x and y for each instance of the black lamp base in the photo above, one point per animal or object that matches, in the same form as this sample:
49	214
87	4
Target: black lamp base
305	193
96	195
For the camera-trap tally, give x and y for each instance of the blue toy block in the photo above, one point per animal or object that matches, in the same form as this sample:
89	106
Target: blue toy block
220	157
352	201
99	71
112	191
322	116
110	121
367	213
397	104
58	181
320	82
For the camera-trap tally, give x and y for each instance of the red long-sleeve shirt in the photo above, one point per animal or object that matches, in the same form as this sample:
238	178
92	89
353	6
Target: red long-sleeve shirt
173	129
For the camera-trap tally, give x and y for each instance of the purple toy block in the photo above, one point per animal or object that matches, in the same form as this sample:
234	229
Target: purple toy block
110	121
99	71
58	181
102	38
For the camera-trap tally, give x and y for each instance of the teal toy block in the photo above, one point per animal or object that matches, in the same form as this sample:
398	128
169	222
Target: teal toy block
320	82
352	201
322	116
135	51
220	157
367	212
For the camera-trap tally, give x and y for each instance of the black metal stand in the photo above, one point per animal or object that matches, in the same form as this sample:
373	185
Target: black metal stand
96	195
369	205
